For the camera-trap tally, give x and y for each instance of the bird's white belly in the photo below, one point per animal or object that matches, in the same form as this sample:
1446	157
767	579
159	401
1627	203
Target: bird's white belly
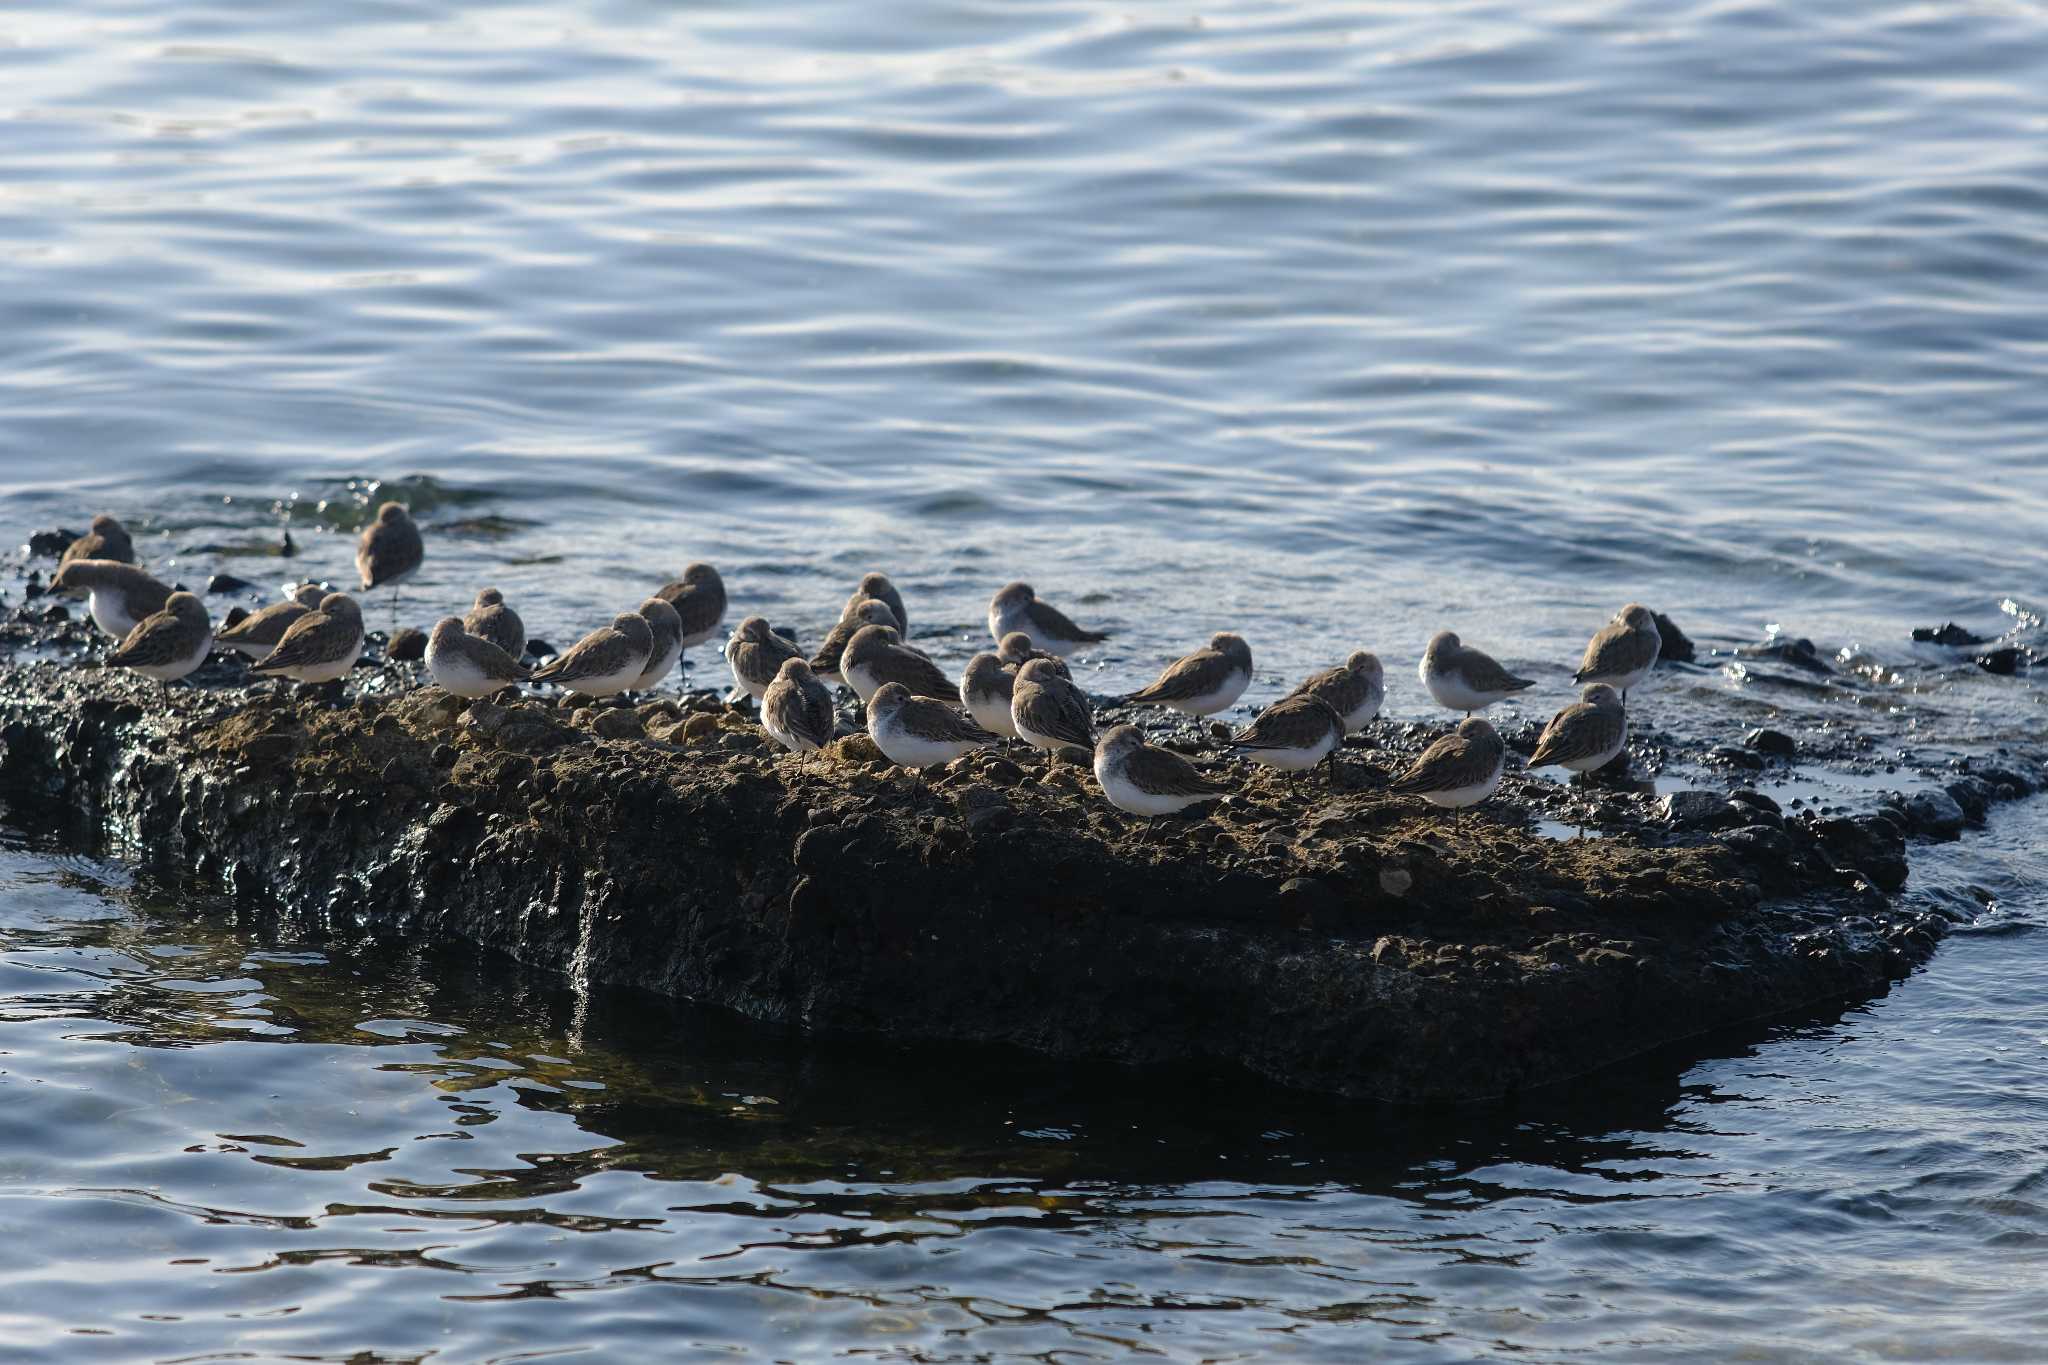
992	713
459	675
1293	760
606	684
1361	715
663	664
1620	682
862	680
1600	760
109	614
1450	690
335	668
1222	699
1458	797
1129	796
901	747
178	668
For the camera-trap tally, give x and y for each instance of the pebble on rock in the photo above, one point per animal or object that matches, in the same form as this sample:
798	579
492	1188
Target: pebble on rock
406	646
227	582
1776	743
1950	634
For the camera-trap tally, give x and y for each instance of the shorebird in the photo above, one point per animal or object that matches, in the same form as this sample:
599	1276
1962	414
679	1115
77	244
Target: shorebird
490	619
699	599
1145	780
389	551
1461	769
605	662
1293	734
1205	682
917	732
1586	735
169	644
1016	607
1048	711
319	647
665	635
121	596
1624	651
1016	650
878	586
756	655
796	710
469	665
108	539
258	633
985	689
859	615
1465	679
1355	689
875	656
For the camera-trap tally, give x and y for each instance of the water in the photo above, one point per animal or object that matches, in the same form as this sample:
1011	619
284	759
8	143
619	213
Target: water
1324	323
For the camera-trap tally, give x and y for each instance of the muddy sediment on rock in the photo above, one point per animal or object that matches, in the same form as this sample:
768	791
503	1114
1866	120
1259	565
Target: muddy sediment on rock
1310	929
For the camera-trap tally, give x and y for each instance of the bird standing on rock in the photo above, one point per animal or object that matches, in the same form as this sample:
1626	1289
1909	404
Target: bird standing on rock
605	662
756	654
108	539
1016	608
1293	734
878	587
319	647
1623	652
699	599
1205	682
389	551
986	687
258	633
469	665
1586	735
665	631
490	619
1461	769
1146	780
119	596
875	656
918	732
1464	679
169	644
796	710
1355	690
1016	650
1048	711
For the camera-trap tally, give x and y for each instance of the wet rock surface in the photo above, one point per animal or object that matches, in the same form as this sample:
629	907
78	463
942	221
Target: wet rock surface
1312	930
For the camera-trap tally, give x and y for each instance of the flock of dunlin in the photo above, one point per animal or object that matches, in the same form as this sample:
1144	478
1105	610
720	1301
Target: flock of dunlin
917	715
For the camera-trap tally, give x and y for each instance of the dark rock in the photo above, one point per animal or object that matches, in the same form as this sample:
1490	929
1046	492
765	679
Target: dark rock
1872	846
1974	795
1756	800
1729	756
1764	841
2004	662
537	648
1934	814
1776	743
618	724
1951	634
406	646
227	582
1676	647
1693	809
287	547
51	544
235	617
56	613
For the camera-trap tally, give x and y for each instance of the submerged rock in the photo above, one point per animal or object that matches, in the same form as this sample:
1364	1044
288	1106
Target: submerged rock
1949	634
1676	648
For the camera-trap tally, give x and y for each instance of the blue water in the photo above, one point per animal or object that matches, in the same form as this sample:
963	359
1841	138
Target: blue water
1329	324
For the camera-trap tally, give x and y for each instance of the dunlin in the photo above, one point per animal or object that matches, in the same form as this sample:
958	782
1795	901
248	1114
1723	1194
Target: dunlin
699	599
1145	780
469	665
859	615
1624	651
917	732
756	655
1205	682
121	595
1048	711
1585	735
1293	734
389	551
1016	607
875	656
1016	650
319	647
607	661
490	619
1464	679
665	632
1461	769
258	633
985	689
796	710
1356	689
169	644
878	586
108	539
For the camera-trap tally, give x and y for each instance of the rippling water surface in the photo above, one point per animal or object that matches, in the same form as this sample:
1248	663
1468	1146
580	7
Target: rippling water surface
1332	324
